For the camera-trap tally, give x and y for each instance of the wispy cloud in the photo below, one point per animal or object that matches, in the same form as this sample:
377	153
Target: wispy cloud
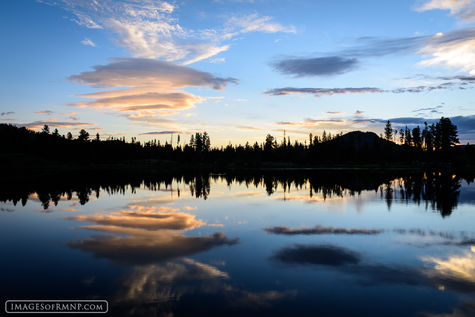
254	23
455	82
71	113
151	28
54	123
462	9
162	132
429	110
6	113
454	49
309	122
46	112
248	127
88	42
319	92
217	60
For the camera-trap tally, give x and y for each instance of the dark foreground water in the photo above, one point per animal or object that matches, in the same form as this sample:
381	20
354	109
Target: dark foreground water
295	244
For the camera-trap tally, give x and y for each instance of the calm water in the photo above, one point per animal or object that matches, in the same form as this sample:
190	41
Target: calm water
303	244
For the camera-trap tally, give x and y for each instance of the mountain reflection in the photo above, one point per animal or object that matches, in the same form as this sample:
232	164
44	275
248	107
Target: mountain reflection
437	190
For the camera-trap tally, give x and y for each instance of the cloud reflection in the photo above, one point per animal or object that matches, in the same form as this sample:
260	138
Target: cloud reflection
320	230
456	272
151	288
316	254
146	235
456	266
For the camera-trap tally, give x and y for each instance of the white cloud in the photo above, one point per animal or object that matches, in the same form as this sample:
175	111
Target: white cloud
87	41
217	60
452	52
151	29
463	9
255	23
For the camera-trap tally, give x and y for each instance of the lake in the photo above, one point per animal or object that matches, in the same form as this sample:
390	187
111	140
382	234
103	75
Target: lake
299	243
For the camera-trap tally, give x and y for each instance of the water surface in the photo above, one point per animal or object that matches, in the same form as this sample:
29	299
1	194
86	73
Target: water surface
293	244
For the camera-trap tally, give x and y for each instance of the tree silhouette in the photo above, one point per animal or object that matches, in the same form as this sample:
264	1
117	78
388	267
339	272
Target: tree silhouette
388	131
416	138
448	134
83	135
45	129
270	143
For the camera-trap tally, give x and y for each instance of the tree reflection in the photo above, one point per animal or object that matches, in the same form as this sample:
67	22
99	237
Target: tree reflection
437	190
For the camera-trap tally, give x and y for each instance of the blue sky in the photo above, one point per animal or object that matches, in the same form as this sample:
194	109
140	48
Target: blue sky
237	69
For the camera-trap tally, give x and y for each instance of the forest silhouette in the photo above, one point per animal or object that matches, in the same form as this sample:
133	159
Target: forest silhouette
433	144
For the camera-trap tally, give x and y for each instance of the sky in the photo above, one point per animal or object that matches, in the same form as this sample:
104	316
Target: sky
237	69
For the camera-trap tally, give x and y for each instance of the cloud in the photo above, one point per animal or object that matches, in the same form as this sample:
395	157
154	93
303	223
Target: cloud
254	23
462	9
316	254
142	72
454	49
430	109
455	82
321	230
145	88
321	123
47	112
150	119
56	124
6	113
318	66
162	132
72	113
248	127
145	101
88	42
217	60
151	28
452	53
358	112
319	92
